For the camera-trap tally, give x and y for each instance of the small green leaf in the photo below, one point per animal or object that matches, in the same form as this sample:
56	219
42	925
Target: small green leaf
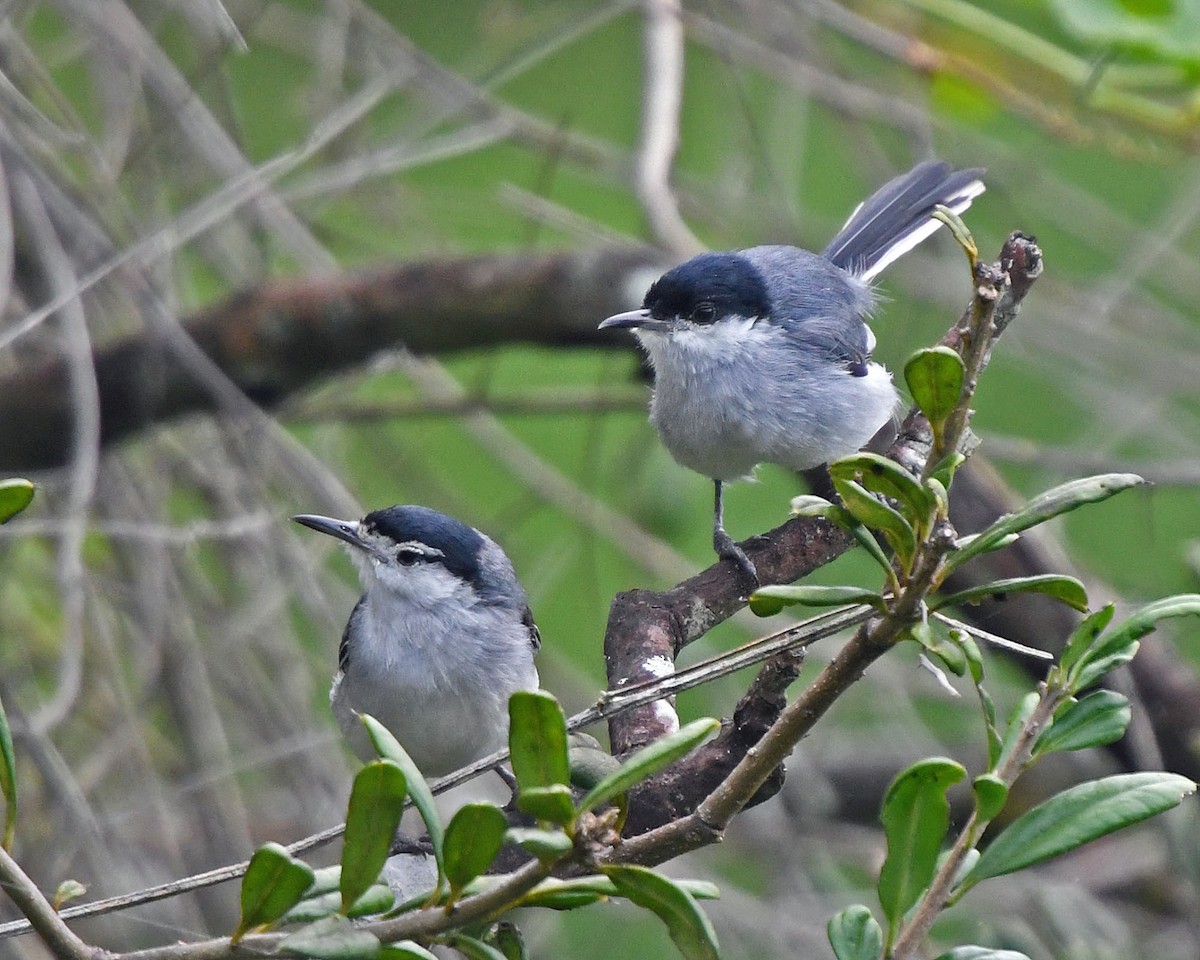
552	804
883	476
473	838
8	781
1016	724
650	759
1098	719
15	496
1052	503
546	845
947	467
808	505
689	928
1084	637
389	748
947	650
507	938
537	739
1077	816
372	816
879	516
582	891
274	883
774	598
378	899
991	793
855	934
1120	644
332	938
1067	589
67	891
935	380
405	950
981	953
915	817
474	949
590	762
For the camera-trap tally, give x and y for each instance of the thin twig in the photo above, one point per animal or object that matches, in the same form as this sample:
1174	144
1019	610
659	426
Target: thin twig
662	102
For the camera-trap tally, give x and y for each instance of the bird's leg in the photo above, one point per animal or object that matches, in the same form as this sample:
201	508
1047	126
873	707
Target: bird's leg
723	542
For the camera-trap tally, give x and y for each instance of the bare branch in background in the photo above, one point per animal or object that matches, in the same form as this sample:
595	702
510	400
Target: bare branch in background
662	102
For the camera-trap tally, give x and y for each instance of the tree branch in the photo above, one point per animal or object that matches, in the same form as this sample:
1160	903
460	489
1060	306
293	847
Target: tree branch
283	337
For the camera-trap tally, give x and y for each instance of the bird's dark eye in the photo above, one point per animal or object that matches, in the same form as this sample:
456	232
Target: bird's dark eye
407	556
704	312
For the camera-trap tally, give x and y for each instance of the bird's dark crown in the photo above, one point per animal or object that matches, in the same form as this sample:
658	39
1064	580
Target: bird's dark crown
728	281
459	543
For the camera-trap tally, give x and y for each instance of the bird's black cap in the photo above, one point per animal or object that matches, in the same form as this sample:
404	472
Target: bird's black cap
730	282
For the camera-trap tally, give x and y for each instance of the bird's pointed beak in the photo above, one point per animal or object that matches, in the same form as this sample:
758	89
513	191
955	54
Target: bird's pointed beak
630	320
342	529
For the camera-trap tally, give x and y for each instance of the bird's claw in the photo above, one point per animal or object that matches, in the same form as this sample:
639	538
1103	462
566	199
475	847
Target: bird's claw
727	549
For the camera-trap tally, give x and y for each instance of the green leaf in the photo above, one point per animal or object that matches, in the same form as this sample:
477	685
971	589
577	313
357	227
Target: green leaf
590	762
1120	644
474	949
583	891
1067	589
1084	637
946	468
506	937
537	739
879	516
915	817
67	891
766	601
274	882
378	899
8	781
389	748
546	845
1098	719
15	496
1016	724
650	759
947	650
473	838
552	804
405	950
1052	503
1077	816
981	953
990	795
687	924
881	475
809	505
935	380
372	816
332	938
855	934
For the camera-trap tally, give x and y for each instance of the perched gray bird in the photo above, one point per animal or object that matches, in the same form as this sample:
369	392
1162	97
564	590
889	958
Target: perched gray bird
764	355
440	639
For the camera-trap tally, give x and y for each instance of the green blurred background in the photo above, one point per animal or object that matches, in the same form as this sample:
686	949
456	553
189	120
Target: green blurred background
168	637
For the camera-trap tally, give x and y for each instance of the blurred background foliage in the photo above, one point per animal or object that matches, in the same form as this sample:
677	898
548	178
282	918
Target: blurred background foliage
168	635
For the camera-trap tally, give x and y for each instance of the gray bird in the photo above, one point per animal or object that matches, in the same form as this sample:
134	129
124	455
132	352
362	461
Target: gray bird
440	639
764	355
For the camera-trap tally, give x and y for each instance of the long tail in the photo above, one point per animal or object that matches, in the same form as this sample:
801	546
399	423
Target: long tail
897	216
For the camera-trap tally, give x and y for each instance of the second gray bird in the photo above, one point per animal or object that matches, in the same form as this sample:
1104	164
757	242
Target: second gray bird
440	639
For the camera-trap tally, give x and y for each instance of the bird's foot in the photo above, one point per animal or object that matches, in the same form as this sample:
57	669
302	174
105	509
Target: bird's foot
727	549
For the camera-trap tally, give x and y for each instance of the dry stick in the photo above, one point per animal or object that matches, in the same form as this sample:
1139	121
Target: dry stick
57	936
